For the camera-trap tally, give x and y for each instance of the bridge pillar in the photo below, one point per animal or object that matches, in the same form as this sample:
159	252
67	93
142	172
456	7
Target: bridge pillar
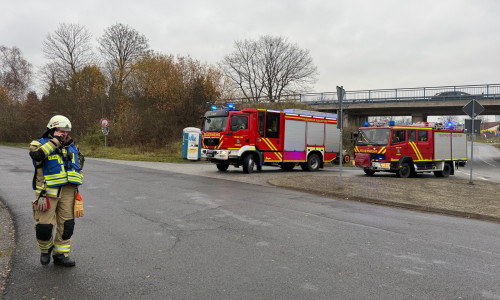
353	120
418	117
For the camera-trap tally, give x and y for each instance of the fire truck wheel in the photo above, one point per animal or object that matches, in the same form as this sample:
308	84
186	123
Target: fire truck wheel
288	166
248	164
313	162
369	172
445	173
404	170
222	167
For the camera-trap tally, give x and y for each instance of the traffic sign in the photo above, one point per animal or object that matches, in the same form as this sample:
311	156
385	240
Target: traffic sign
468	126
104	122
473	109
105	130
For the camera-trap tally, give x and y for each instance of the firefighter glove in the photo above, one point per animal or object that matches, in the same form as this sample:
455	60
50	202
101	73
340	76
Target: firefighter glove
78	209
43	202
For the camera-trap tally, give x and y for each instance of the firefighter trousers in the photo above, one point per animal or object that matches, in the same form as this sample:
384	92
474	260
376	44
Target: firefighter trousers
61	216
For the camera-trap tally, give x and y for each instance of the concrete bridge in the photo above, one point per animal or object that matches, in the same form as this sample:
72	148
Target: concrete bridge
357	113
419	103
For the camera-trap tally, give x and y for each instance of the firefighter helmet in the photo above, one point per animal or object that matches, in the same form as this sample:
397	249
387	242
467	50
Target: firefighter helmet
59	122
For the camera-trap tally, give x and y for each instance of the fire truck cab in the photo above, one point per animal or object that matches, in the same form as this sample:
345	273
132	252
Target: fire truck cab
256	137
410	149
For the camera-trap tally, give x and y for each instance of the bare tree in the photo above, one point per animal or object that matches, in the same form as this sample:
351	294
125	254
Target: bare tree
15	72
121	46
270	67
68	49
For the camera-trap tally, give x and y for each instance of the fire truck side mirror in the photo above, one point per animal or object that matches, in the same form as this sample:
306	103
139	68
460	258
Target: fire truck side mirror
354	135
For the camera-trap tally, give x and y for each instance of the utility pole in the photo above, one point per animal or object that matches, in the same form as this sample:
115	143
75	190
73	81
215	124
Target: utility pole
340	97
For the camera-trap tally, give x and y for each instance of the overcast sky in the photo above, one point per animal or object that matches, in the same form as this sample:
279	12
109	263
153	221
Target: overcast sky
369	44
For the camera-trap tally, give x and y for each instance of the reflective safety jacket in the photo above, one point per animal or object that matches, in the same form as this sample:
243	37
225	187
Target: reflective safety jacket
60	167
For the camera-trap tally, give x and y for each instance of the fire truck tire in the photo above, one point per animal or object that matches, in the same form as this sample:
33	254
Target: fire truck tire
404	170
313	163
287	166
369	172
445	173
248	164
222	166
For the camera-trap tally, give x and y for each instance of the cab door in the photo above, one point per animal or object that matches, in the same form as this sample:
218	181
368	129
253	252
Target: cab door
399	145
239	132
268	140
425	144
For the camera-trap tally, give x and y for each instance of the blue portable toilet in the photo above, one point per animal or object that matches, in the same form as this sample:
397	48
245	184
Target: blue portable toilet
191	143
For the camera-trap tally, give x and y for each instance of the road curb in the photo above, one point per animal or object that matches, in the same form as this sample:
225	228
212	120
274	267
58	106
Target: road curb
7	244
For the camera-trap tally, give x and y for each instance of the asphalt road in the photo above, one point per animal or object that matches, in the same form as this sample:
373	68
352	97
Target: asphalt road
485	164
160	234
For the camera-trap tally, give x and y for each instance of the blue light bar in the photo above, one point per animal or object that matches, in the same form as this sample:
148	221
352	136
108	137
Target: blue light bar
449	124
214	107
392	123
230	106
367	124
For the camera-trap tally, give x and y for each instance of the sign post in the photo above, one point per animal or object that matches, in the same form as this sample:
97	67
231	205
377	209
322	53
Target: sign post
340	97
472	109
105	131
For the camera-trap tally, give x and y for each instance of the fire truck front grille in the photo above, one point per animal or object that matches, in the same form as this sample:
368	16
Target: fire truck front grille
211	141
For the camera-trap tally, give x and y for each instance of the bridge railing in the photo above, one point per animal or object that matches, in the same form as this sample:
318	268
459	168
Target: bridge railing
462	92
459	92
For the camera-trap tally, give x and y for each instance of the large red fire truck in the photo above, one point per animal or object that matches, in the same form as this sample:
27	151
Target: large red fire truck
410	149
256	137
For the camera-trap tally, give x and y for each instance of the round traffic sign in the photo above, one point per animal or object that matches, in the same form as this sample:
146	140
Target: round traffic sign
104	122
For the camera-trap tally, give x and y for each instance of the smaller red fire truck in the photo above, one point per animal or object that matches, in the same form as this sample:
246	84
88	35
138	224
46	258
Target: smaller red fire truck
410	149
255	137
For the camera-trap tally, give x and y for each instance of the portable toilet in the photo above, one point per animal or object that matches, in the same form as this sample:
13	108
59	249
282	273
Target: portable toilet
191	138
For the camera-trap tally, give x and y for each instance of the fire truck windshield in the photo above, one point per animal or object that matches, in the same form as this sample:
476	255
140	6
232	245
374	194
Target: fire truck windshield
215	124
373	136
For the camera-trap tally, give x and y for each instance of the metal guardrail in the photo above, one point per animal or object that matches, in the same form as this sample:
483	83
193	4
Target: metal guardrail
461	92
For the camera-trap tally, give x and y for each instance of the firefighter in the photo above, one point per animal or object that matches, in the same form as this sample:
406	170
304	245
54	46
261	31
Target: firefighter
58	173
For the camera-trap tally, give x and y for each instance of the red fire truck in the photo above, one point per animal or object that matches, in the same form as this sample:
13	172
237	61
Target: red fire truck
256	137
410	149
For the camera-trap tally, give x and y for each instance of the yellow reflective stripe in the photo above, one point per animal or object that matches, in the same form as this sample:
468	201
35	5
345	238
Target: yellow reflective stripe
45	247
269	144
48	148
55	176
35	143
417	152
382	150
61	248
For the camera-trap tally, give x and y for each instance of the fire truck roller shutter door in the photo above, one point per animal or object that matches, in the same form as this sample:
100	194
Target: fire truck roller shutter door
315	134
332	138
294	135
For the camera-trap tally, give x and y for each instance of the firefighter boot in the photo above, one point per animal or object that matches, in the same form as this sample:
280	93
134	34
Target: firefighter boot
45	257
63	260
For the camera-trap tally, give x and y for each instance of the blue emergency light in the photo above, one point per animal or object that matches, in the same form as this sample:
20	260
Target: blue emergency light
449	124
392	123
367	124
230	106
214	107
